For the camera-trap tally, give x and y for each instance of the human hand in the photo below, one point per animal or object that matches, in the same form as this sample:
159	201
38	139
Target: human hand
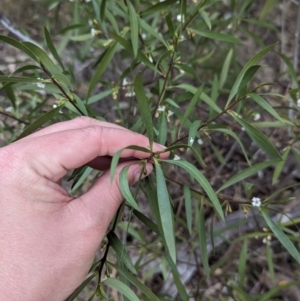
48	238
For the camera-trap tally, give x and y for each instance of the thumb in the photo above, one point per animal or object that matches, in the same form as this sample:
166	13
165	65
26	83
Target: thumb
102	201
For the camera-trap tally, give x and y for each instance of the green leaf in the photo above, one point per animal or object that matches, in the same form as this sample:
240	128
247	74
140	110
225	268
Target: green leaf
206	19
270	262
165	211
9	91
134	28
81	287
260	101
198	176
52	47
291	69
117	155
152	32
81	179
253	61
192	104
102	10
121	253
124	187
246	173
144	106
225	68
193	131
176	276
280	165
188	207
146	221
133	279
217	36
163	130
39	122
43	58
285	241
103	64
18	79
18	45
122	288
259	138
158	7
202	241
203	96
268	6
219	128
243	262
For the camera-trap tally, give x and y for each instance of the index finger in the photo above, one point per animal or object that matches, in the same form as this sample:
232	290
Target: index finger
61	151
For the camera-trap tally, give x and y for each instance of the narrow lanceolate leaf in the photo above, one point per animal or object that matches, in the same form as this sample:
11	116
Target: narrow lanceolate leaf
176	276
192	104
193	131
81	287
217	36
144	106
19	45
261	102
225	68
39	122
52	47
121	253
134	28
249	64
117	155
124	187
165	211
281	236
18	79
149	296
202	241
188	207
259	138
242	263
246	173
198	176
280	165
106	59
122	288
43	57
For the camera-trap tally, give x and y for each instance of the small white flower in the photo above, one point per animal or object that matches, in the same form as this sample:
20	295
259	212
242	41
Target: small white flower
243	129
124	82
176	158
170	113
8	109
180	18
41	85
298	102
54	106
90	22
257	116
200	141
161	108
87	1
144	36
130	94
256	202
192	141
93	32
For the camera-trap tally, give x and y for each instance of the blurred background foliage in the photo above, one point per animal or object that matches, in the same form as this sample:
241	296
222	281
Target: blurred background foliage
204	88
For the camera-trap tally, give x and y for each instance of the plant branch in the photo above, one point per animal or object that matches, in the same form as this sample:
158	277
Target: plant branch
15	118
210	121
62	90
104	257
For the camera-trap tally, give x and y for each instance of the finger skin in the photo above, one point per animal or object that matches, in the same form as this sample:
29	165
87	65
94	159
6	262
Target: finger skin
74	148
48	238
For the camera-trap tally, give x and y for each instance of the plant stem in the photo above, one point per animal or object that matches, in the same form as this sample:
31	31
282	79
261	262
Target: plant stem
210	121
15	118
62	90
104	257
